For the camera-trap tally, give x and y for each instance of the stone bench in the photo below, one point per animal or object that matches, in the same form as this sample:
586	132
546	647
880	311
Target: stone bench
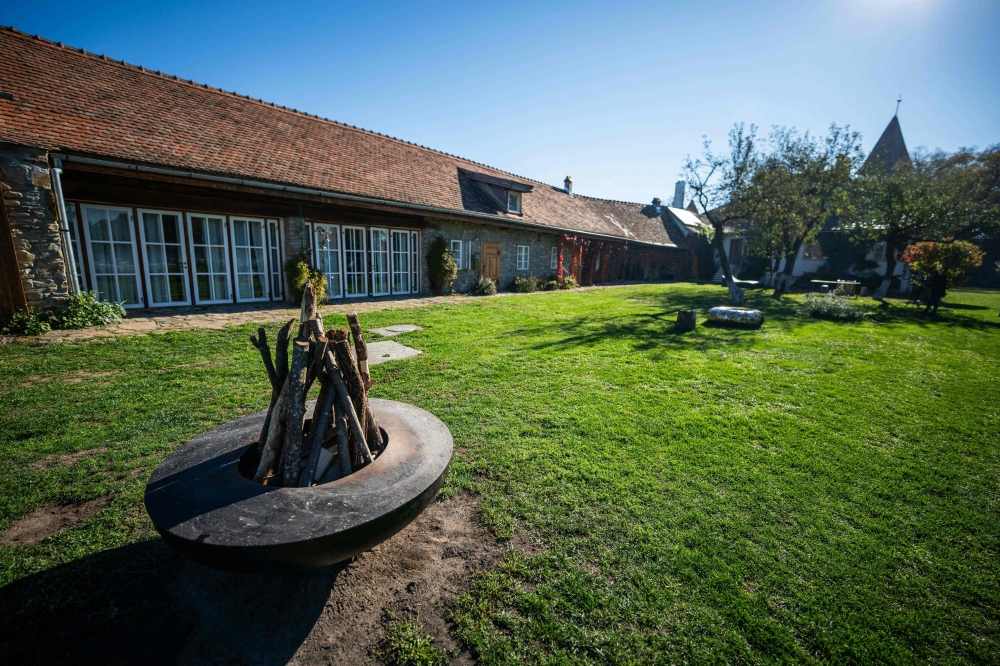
726	315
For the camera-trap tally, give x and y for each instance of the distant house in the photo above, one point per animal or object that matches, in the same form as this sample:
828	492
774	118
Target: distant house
889	151
160	192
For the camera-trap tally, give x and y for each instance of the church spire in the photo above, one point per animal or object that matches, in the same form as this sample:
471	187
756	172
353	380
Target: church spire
890	149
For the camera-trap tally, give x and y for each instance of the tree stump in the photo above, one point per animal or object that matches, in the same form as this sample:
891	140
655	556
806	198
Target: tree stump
686	321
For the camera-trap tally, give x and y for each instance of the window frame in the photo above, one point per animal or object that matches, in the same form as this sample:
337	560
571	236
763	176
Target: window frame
333	229
527	258
388	259
147	274
135	254
274	260
364	254
554	262
517	197
460	259
414	262
234	269
393	269
188	228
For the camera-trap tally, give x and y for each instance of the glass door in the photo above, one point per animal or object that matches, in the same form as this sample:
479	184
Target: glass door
207	235
166	259
274	256
251	262
380	262
74	235
327	246
355	271
114	264
414	262
400	262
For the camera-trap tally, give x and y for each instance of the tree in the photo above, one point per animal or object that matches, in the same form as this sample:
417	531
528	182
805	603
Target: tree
441	267
801	184
721	186
955	260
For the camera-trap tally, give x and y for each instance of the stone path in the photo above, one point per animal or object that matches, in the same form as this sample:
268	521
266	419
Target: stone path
161	320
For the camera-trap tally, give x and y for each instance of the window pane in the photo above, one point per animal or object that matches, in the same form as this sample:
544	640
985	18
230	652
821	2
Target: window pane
257	260
171	229
98	223
215	231
258	286
221	284
129	289
159	286
102	258
204	288
123	258
177	291
198	230
173	258
240	230
218	255
256	237
120	230
244	286
107	288
242	260
157	262
151	225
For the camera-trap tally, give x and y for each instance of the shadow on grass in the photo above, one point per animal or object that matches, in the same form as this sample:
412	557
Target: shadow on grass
146	604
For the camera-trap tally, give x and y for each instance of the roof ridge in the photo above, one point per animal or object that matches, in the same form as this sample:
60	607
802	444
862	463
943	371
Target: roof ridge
247	98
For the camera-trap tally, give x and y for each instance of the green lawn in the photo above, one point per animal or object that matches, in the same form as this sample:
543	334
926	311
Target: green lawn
810	491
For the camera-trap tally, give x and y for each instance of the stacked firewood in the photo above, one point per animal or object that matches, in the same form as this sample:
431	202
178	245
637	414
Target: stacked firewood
342	436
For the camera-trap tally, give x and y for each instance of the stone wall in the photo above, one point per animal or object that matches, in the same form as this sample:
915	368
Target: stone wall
31	210
539	254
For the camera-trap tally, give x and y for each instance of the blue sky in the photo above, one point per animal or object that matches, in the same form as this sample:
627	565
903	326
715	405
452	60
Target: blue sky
616	94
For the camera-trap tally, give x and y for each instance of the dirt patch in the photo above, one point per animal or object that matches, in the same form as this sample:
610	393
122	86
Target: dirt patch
48	521
84	374
34	379
66	459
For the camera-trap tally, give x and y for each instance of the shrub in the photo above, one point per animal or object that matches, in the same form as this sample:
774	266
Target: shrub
27	322
834	305
485	287
569	282
953	260
548	285
441	267
525	284
298	272
86	309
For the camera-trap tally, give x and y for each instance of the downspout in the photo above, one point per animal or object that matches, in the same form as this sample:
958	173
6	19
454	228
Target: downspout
55	175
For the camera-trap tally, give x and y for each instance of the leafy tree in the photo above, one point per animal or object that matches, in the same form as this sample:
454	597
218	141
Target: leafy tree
955	260
721	185
441	267
800	184
298	272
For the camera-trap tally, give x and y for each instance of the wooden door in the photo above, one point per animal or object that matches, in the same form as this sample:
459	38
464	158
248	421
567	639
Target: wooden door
491	262
11	290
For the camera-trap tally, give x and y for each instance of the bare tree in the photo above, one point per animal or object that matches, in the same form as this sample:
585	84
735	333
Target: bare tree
721	186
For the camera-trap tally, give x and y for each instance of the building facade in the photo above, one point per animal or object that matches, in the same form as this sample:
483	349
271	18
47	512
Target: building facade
159	192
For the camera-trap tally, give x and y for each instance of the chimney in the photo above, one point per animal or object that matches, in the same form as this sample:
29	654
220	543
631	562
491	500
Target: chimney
656	204
679	194
569	185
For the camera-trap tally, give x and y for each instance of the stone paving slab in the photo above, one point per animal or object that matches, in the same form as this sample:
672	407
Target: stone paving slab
389	350
396	329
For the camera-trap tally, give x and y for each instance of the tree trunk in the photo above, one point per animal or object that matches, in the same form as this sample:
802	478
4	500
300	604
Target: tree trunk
735	293
356	389
321	421
686	321
275	437
786	279
890	269
343	399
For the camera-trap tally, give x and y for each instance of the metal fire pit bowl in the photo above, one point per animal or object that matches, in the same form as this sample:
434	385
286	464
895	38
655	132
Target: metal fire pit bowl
204	507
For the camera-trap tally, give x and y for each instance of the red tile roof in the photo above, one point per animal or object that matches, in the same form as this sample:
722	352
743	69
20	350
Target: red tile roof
66	99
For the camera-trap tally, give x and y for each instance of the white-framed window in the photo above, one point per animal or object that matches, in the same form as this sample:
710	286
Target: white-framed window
400	241
513	201
522	257
414	262
880	252
274	258
207	242
73	221
249	251
380	262
327	250
162	239
355	262
554	263
114	266
456	247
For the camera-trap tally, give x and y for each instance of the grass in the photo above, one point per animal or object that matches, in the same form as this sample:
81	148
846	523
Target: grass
814	490
407	644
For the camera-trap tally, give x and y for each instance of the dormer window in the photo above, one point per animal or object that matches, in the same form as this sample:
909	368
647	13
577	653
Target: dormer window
513	202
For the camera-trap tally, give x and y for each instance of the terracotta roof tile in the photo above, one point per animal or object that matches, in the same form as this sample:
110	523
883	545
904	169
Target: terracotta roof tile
67	99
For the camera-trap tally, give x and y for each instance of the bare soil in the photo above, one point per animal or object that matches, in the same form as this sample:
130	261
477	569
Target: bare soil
145	603
49	521
66	459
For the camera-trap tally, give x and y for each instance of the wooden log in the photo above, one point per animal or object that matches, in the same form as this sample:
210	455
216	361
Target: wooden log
343	399
355	386
327	458
341	464
360	349
308	303
281	352
275	437
321	420
294	411
686	321
265	355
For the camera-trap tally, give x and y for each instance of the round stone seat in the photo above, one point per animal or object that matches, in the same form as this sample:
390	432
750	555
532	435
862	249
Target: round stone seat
727	315
203	505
